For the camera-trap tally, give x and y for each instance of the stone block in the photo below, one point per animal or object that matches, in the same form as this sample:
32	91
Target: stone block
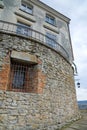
24	57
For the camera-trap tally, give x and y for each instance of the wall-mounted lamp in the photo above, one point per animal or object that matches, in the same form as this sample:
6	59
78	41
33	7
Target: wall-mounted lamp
78	84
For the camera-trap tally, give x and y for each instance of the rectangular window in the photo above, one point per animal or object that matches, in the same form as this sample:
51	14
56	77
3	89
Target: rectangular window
50	19
27	8
51	39
19	76
23	77
23	29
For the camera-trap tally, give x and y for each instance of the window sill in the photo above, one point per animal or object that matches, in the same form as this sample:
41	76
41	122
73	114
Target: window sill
23	15
26	12
51	24
50	27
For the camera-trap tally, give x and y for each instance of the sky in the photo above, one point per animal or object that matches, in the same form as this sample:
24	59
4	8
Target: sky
76	10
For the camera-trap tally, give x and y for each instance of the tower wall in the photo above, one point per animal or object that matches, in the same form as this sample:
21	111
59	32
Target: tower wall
52	105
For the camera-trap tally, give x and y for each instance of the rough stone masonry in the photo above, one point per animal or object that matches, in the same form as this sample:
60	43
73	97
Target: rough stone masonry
49	107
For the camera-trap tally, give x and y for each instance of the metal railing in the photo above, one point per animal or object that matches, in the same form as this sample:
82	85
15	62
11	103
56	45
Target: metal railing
34	35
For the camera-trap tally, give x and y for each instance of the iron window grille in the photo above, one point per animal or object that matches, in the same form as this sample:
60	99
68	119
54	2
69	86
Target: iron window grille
49	19
23	77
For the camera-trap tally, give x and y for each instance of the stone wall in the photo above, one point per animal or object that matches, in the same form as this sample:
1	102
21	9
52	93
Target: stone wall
48	109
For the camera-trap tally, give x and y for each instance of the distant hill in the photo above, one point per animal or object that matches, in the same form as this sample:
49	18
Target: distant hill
82	104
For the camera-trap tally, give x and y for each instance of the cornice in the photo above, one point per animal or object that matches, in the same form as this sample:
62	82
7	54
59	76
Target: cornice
50	10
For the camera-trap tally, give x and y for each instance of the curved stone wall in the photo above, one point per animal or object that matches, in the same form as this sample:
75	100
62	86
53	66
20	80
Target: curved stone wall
55	102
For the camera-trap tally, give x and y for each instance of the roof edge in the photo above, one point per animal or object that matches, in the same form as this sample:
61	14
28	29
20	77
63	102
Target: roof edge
51	10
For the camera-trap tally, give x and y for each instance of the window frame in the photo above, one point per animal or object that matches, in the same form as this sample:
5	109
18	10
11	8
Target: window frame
23	29
50	19
18	79
27	8
29	76
51	39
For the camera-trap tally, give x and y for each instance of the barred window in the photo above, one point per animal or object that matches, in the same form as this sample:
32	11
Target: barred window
19	76
23	77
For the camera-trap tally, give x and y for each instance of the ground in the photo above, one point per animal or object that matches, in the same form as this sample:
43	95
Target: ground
80	124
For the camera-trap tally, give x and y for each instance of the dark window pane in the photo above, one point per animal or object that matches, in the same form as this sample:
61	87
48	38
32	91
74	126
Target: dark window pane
23	7
51	39
47	19
27	8
18	79
23	77
23	29
50	19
